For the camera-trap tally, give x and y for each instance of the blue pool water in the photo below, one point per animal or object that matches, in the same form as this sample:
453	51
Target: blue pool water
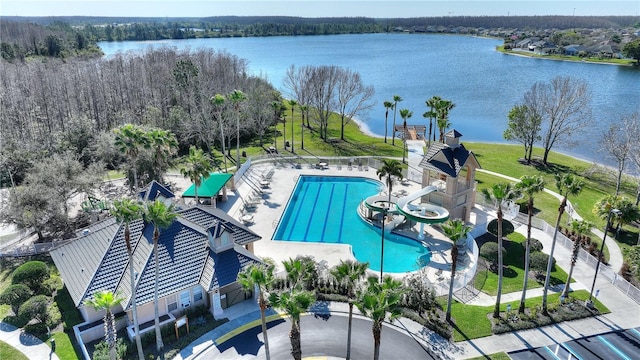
324	210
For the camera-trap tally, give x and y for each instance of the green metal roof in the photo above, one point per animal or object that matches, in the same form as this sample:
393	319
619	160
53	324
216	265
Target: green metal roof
209	187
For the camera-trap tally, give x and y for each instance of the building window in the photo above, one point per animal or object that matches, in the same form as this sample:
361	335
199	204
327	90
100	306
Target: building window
185	299
172	304
197	294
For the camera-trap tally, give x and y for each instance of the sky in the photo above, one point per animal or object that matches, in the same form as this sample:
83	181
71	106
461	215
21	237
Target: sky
314	8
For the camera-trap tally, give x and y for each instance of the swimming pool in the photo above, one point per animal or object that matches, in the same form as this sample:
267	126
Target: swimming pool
323	209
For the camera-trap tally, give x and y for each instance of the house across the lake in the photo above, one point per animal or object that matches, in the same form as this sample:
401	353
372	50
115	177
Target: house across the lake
199	255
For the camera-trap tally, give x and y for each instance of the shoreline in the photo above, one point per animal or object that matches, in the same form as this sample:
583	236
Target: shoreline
542	57
364	128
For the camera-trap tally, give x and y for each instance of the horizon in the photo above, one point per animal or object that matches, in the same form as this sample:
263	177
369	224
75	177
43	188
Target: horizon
378	9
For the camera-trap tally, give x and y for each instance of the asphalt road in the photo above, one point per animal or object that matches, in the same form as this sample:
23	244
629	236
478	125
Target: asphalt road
623	345
321	336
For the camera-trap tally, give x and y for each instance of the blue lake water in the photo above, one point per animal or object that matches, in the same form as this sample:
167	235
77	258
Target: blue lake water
324	210
483	83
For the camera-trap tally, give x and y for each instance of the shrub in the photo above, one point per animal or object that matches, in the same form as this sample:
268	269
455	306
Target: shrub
36	307
32	273
101	351
15	295
54	317
535	245
538	262
489	251
507	227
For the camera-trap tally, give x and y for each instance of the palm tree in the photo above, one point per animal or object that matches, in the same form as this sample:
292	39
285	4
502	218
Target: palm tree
303	109
442	111
293	104
500	193
390	168
567	184
580	228
126	211
350	273
106	300
404	114
627	211
396	100
300	271
197	167
237	97
164	145
129	140
162	216
258	278
294	303
455	230
218	104
387	105
529	185
380	301
432	114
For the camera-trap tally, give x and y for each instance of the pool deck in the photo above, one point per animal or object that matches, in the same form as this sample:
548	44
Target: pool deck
268	212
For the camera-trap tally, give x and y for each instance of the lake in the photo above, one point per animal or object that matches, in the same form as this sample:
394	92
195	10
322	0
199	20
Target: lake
483	83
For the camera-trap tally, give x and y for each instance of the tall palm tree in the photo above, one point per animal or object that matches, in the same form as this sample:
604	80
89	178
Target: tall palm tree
218	104
237	97
277	111
294	303
303	110
580	228
529	186
567	184
293	104
500	193
432	114
404	114
380	301
130	139
396	100
258	278
106	300
387	105
390	168
456	231
126	211
164	145
161	216
442	111
197	167
350	273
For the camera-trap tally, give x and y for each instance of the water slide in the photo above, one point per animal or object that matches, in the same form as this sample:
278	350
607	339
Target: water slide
422	213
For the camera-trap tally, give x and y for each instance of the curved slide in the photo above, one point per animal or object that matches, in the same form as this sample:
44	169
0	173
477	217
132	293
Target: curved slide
422	213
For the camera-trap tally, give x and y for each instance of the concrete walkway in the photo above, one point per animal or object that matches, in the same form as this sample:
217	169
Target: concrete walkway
27	344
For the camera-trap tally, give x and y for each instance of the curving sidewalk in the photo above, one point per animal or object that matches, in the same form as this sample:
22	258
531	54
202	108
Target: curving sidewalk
615	254
26	343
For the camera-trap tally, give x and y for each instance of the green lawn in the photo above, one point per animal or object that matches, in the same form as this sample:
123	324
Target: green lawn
513	273
9	353
496	356
472	322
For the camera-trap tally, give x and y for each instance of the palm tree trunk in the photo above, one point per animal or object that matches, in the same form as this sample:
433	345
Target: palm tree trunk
574	258
496	310
454	264
294	336
349	330
159	344
377	329
263	308
386	126
110	334
527	251
134	308
547	278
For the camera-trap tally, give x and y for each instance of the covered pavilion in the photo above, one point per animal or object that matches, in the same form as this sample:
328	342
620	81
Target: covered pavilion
212	189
